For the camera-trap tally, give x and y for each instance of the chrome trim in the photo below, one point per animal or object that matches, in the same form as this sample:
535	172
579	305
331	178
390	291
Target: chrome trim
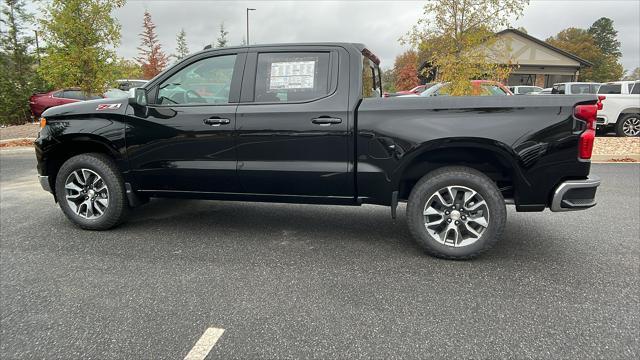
562	189
44	182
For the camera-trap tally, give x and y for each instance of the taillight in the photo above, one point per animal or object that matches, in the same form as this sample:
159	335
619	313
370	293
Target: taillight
587	113
599	104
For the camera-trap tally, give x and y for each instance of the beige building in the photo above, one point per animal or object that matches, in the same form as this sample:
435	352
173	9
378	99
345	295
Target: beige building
539	63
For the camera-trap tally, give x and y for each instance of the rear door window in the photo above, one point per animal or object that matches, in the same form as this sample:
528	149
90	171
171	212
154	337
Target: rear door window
636	88
292	76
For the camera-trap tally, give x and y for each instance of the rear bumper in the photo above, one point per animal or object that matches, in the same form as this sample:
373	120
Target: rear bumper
575	194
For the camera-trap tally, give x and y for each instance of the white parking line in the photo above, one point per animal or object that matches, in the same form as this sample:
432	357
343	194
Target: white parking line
201	349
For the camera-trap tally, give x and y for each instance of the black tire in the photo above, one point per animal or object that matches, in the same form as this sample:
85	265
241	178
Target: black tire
456	176
117	208
635	118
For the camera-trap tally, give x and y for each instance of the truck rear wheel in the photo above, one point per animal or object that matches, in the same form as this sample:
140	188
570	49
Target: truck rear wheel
456	213
628	125
91	192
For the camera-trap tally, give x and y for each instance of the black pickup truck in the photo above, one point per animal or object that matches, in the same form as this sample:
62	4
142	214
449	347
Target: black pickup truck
306	123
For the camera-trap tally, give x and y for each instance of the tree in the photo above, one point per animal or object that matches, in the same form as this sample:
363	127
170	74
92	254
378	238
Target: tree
17	77
606	37
127	69
182	49
582	44
388	80
633	75
151	56
457	37
405	71
80	36
222	37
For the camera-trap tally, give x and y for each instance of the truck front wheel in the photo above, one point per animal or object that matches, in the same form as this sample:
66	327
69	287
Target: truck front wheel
456	213
91	192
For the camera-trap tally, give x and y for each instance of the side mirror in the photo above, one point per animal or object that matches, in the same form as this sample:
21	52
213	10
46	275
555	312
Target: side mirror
139	97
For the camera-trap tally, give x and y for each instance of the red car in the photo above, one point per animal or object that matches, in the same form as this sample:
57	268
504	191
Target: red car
415	91
42	101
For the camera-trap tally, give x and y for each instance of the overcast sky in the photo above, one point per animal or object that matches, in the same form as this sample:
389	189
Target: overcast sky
377	23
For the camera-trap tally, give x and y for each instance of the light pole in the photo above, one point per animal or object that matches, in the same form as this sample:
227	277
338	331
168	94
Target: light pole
248	9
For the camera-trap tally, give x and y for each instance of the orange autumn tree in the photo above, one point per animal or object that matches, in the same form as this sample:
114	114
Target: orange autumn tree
406	70
152	59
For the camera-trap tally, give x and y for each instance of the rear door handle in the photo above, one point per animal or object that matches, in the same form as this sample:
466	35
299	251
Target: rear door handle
325	121
214	121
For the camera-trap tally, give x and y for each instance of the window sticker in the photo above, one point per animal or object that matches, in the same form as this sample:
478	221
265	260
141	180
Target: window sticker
292	75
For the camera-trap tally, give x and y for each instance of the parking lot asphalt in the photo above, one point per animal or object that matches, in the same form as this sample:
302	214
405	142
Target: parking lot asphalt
297	281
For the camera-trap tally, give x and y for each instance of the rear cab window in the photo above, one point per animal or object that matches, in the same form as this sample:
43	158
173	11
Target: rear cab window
610	89
371	77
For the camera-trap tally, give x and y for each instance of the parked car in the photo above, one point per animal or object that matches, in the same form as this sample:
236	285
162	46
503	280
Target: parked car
297	126
621	109
42	101
115	94
415	91
546	91
126	84
479	88
575	88
524	89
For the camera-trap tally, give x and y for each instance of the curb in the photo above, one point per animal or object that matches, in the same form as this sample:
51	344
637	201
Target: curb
17	139
606	158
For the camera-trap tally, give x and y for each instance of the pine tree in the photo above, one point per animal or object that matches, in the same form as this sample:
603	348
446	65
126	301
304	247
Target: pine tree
222	37
18	79
606	37
182	49
151	56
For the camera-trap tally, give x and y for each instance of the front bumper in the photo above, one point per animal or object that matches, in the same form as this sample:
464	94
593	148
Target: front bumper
44	182
575	194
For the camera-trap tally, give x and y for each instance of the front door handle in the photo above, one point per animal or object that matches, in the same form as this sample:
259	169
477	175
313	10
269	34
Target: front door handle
325	121
214	121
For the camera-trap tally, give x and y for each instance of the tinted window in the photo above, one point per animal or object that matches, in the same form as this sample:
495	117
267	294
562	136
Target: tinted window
636	88
207	81
371	81
580	89
558	89
73	94
610	89
291	77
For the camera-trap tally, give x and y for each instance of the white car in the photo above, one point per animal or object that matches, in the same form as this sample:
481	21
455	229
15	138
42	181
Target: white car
620	108
525	89
546	91
575	88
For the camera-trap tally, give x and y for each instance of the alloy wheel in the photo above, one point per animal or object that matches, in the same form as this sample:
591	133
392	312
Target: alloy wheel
456	216
86	193
631	126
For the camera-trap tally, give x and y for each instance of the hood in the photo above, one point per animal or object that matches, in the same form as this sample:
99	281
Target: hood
99	106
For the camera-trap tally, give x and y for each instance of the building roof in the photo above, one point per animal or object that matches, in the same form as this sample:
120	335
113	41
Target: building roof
582	61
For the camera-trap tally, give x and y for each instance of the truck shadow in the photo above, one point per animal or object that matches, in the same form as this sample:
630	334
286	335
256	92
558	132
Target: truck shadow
217	221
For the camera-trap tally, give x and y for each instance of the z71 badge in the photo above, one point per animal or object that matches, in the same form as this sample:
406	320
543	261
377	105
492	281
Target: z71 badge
108	107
